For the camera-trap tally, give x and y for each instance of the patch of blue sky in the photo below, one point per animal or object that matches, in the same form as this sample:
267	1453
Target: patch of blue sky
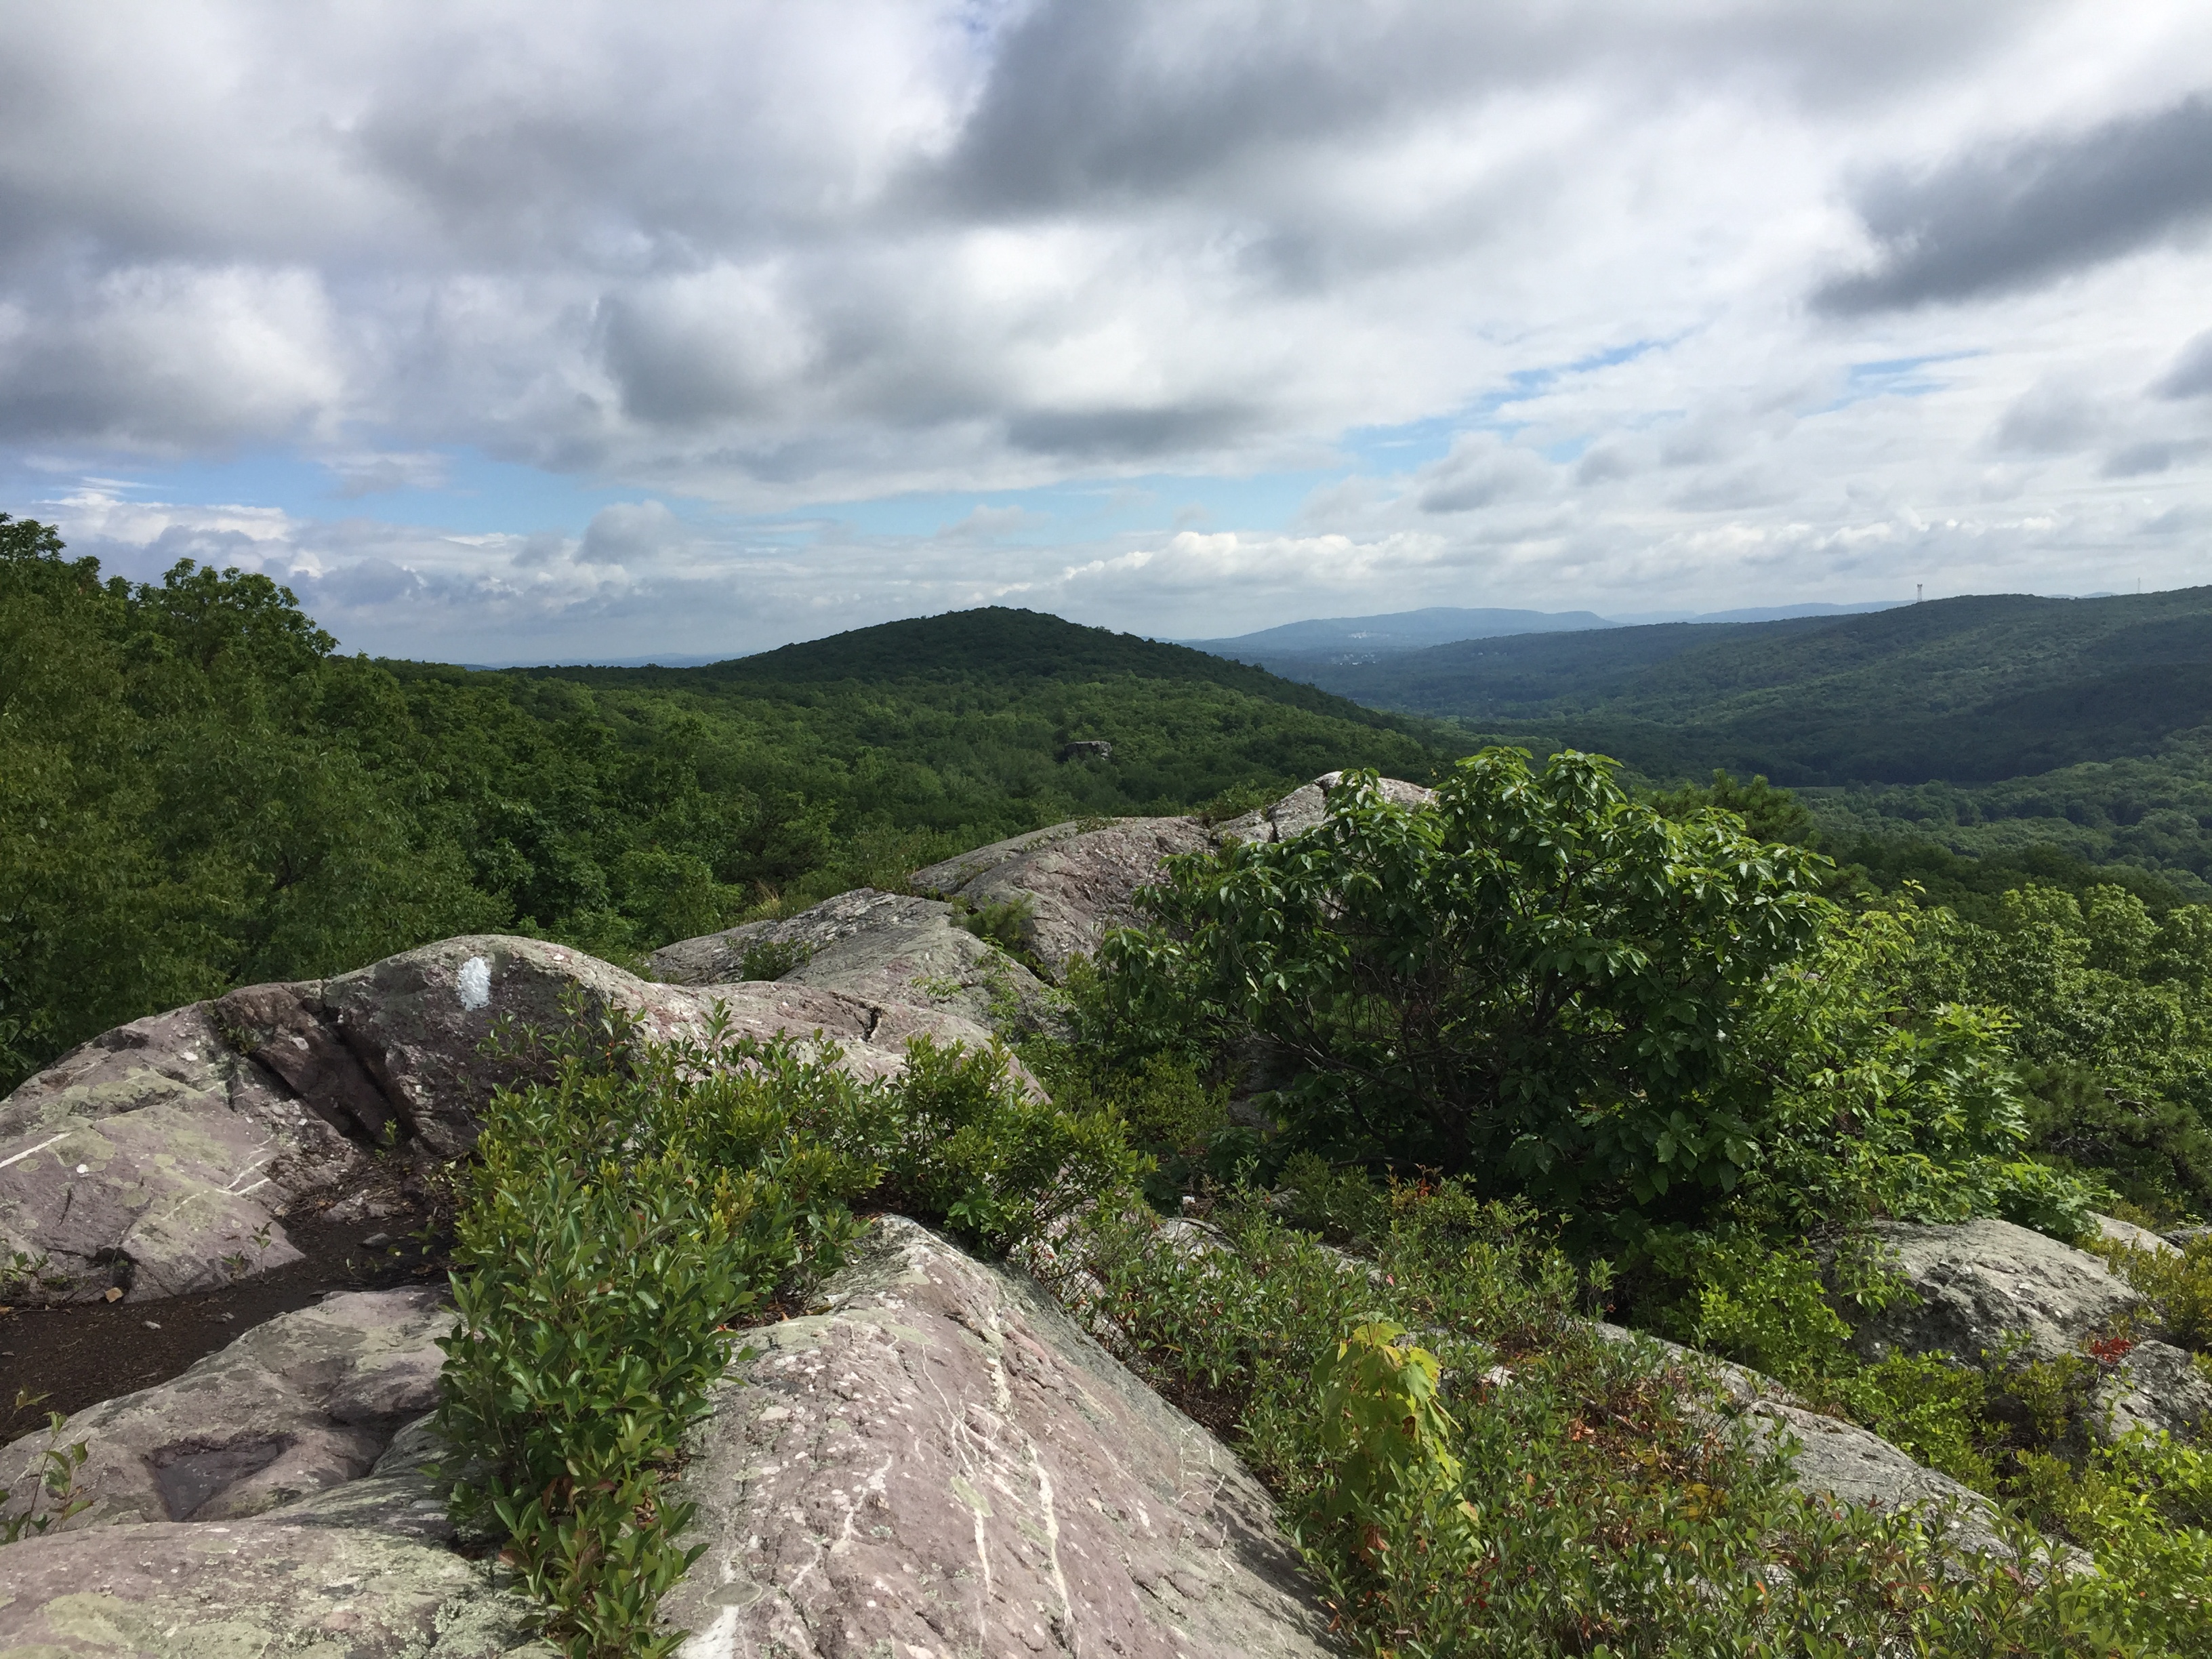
1403	447
455	490
1895	377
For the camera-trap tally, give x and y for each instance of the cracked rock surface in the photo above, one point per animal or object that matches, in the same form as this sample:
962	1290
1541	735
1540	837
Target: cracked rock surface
944	1465
1981	1287
1078	882
882	947
272	1499
1306	807
161	1157
301	1403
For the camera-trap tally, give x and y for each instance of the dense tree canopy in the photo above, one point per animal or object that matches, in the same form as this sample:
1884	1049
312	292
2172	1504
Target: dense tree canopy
198	791
1557	990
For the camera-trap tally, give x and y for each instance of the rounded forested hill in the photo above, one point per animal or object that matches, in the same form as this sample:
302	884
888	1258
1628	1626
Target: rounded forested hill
959	721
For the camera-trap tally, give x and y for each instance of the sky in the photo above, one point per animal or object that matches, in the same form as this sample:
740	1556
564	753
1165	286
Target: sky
574	331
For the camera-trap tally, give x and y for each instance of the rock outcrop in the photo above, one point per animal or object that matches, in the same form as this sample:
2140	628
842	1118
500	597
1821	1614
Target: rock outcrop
941	1463
1074	881
1986	1292
1983	1289
945	1465
2154	1386
271	1499
880	947
306	1401
1829	1457
163	1156
1306	807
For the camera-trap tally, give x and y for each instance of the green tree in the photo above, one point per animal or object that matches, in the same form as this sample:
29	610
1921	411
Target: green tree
1535	978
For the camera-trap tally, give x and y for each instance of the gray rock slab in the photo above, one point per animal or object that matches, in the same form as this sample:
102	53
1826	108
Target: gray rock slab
304	1403
1308	805
1077	885
162	1156
242	1590
157	1159
1985	1288
2154	1387
336	1547
2113	1230
944	1465
880	947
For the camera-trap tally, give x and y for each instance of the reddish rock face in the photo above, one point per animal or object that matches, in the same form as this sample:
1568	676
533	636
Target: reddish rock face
945	1465
161	1157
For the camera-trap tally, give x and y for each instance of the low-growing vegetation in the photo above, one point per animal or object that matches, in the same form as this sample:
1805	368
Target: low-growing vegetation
633	1209
1506	1481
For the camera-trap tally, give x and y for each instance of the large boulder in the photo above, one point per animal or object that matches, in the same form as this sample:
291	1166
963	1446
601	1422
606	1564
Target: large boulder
944	1464
881	947
337	1544
306	1401
1073	881
941	1462
163	1156
2153	1386
1985	1291
1307	805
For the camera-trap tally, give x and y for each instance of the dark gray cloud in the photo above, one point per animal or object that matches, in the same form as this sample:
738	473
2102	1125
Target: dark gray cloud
1129	433
1995	219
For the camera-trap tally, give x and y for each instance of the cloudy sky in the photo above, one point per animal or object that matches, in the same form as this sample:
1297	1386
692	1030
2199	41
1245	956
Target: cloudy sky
532	332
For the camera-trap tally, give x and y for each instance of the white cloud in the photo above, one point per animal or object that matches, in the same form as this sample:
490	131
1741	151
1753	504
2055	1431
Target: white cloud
756	257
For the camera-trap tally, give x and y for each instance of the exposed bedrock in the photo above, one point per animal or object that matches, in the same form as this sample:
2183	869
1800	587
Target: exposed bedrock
944	1464
1987	1292
1076	883
881	947
271	1499
163	1156
941	1464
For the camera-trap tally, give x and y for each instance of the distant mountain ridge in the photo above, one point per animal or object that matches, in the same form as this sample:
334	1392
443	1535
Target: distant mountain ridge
1293	647
1971	689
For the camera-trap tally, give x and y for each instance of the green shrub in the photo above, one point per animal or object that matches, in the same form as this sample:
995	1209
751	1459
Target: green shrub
1572	1500
1001	924
2141	1507
1381	1425
2179	1286
1343	1206
1762	1305
628	1214
1930	1407
771	958
1547	987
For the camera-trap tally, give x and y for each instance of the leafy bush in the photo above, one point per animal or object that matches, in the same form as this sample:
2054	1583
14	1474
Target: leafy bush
1534	975
2177	1283
1541	984
1381	1425
999	924
626	1216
